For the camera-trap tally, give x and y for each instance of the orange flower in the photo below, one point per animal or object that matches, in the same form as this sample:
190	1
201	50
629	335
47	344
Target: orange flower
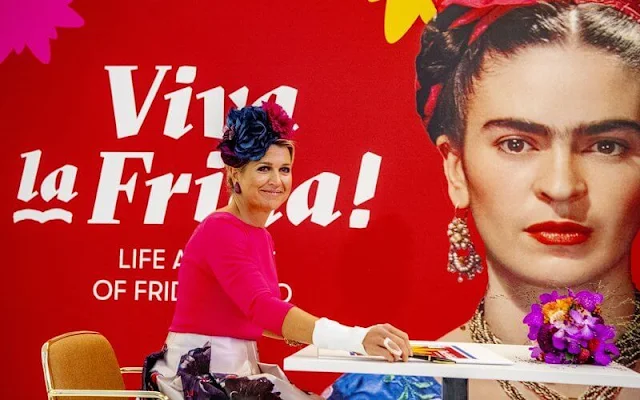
556	310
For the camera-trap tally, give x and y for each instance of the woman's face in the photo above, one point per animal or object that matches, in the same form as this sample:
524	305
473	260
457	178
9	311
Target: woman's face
266	183
551	163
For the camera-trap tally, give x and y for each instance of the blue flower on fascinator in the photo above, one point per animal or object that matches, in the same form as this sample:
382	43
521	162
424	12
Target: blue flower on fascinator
251	130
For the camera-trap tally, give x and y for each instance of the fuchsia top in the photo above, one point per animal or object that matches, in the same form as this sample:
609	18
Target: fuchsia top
228	285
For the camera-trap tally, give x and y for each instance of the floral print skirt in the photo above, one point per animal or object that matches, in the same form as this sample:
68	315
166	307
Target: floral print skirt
199	367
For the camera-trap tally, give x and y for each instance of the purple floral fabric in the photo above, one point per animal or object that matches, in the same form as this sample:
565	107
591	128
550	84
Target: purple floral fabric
199	384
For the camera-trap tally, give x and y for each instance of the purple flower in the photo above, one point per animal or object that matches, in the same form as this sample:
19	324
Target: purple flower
558	340
604	332
589	300
584	323
536	352
549	297
534	319
573	346
545	338
571	330
579	337
603	353
554	358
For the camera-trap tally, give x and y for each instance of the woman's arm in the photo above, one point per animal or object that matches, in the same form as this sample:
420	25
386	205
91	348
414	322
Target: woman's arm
300	326
271	335
225	248
228	257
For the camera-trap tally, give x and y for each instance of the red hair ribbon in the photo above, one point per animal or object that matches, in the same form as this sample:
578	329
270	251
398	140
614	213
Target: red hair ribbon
486	12
430	105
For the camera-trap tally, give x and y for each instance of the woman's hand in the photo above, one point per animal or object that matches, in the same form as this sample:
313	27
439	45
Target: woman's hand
374	342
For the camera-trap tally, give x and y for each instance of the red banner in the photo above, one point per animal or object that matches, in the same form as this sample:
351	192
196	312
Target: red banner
110	163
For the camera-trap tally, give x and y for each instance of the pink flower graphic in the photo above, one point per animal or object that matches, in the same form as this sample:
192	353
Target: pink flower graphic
32	23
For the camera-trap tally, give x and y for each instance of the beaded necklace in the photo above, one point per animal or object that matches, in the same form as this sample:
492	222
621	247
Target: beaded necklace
628	343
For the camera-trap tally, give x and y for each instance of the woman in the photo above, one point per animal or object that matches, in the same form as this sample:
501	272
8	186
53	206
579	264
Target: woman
535	108
229	294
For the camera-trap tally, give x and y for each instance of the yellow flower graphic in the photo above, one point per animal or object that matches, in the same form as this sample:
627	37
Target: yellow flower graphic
400	15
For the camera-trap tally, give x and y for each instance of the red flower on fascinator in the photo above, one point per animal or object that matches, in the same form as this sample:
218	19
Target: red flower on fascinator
280	120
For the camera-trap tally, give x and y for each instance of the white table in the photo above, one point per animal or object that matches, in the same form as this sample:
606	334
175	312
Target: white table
455	376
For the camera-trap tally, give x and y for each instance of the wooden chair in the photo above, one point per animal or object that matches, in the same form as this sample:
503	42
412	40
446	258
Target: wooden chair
83	365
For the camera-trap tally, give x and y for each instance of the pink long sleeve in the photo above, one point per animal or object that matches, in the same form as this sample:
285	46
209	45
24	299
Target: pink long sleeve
228	285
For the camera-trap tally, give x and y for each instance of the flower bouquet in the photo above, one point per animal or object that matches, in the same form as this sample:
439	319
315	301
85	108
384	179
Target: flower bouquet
570	329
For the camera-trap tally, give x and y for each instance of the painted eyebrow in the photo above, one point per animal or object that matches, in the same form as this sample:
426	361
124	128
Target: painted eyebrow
596	128
518	125
610	125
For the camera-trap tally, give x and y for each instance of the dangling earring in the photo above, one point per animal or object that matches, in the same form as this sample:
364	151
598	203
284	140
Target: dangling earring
236	188
463	258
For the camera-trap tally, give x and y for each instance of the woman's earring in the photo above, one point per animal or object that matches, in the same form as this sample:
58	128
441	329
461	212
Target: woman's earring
236	188
463	258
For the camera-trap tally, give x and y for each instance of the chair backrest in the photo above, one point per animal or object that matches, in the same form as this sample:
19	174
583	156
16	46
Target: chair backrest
81	360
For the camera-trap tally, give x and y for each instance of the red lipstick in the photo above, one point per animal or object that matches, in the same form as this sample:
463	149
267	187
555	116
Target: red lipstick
559	233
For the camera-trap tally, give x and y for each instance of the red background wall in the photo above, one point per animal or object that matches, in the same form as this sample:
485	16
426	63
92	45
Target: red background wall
355	95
